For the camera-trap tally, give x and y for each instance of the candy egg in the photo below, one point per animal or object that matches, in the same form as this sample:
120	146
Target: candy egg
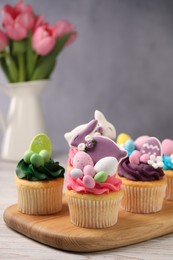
107	164
76	173
45	155
81	159
122	138
134	158
37	160
129	146
101	176
27	156
140	141
144	158
89	170
88	182
167	147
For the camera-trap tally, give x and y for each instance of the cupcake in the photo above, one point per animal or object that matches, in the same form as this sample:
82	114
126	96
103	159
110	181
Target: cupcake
39	179
93	192
103	128
143	180
167	148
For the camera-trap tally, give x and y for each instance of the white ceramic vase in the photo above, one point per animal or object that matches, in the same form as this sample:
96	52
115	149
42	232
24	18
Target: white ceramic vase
25	118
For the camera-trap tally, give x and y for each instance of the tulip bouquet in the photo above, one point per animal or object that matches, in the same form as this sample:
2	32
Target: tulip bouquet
29	46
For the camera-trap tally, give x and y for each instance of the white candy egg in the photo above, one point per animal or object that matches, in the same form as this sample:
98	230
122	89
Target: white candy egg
76	173
107	164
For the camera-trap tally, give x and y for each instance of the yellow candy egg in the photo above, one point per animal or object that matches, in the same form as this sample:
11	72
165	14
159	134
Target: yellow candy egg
122	138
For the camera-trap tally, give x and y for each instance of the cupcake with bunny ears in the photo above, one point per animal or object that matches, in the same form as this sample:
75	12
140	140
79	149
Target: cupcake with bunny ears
167	147
143	180
93	192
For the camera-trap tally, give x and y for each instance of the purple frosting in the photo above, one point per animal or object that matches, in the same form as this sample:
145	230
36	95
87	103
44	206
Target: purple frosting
139	172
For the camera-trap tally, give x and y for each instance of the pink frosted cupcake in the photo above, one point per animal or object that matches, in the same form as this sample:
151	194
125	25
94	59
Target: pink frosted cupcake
93	193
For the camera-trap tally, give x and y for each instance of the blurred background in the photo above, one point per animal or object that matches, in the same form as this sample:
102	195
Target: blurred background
120	64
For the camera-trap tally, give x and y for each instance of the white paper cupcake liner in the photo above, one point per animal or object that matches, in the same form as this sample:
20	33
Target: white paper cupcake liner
143	199
169	189
39	201
89	213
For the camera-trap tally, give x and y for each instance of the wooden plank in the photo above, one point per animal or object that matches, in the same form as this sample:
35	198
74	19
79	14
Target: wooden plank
57	231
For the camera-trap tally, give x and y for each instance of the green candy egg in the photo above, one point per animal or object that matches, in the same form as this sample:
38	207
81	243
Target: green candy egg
45	155
27	156
101	176
37	160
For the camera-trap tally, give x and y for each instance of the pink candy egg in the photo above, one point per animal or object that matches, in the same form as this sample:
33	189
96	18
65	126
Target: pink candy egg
134	158
144	158
140	141
81	159
89	170
88	182
167	147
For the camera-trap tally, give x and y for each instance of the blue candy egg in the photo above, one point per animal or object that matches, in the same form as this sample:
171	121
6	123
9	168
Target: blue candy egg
129	146
167	162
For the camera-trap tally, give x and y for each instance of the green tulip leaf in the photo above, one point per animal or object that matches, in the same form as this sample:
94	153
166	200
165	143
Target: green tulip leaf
46	64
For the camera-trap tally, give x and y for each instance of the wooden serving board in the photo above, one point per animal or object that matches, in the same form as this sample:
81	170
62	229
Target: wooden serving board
58	232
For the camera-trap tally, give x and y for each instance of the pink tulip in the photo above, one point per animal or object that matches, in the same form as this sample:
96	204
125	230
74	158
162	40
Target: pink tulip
44	39
17	20
39	21
3	40
63	27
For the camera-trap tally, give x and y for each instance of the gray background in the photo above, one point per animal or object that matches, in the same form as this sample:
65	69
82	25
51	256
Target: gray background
121	64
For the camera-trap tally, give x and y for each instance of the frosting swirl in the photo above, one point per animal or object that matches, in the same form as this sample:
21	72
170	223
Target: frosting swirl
111	184
139	172
51	170
71	154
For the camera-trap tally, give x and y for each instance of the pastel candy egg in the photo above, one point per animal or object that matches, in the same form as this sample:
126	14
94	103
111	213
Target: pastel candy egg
144	158
166	159
37	160
140	141
27	156
81	159
134	158
76	173
89	170
122	138
107	164
88	182
45	155
167	147
101	176
129	146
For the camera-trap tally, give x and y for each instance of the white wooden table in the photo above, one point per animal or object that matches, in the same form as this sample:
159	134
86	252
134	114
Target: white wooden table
16	246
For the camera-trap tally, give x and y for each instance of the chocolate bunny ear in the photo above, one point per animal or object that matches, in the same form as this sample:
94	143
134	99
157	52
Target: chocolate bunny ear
80	137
